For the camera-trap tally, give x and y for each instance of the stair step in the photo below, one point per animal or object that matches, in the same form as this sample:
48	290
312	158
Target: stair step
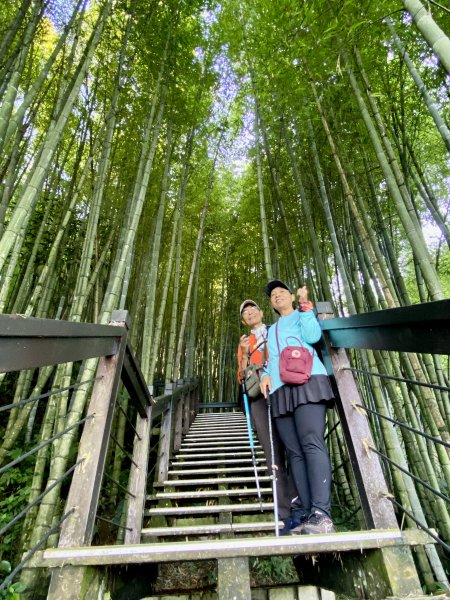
219	449
216	470
218	416
213	445
216	461
169	511
247	454
229	437
208	482
203	430
229	548
218	426
210	529
207	494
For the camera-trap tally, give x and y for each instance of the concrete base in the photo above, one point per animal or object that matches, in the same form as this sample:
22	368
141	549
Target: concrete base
374	574
284	593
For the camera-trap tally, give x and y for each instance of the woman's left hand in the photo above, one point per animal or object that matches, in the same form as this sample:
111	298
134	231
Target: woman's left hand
302	294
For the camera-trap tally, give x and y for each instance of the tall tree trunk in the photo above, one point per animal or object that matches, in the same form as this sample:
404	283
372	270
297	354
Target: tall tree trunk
152	276
25	204
430	30
262	207
429	102
413	233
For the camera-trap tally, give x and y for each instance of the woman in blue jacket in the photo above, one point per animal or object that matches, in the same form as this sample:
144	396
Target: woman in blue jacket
299	410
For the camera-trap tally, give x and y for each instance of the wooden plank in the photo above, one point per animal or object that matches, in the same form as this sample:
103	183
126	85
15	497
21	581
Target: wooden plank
29	353
206	549
20	326
138	479
377	509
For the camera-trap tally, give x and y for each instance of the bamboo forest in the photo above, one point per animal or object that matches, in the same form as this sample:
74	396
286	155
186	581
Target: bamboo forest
168	159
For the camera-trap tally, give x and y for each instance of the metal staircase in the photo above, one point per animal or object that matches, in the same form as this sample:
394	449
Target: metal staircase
210	489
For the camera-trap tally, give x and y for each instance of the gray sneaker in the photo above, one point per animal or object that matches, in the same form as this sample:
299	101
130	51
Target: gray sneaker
318	522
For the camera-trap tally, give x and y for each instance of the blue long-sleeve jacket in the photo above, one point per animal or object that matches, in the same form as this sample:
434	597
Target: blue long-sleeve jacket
301	325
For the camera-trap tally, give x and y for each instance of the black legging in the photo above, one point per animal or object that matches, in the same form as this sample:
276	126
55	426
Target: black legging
302	434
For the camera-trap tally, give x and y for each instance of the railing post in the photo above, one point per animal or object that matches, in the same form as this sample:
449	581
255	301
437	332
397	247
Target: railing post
378	511
186	412
193	402
137	487
164	437
77	529
178	420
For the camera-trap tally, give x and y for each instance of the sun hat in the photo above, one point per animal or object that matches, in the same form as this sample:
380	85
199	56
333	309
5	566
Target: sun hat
247	303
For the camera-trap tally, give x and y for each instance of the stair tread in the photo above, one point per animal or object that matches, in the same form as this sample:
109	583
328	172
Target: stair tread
216	470
225	449
209	529
226	461
228	452
211	481
207	509
207	494
241	442
228	548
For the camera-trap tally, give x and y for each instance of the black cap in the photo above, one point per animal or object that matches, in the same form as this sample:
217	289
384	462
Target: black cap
274	284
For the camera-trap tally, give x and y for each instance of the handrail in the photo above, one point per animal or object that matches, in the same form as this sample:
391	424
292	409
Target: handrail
423	328
28	343
162	402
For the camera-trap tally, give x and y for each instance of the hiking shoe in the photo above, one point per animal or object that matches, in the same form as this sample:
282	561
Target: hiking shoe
298	524
318	522
289	525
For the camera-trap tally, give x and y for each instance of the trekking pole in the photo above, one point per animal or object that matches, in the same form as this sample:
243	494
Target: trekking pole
252	444
274	470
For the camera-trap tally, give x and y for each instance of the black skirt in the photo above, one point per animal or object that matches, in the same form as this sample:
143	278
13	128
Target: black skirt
285	399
